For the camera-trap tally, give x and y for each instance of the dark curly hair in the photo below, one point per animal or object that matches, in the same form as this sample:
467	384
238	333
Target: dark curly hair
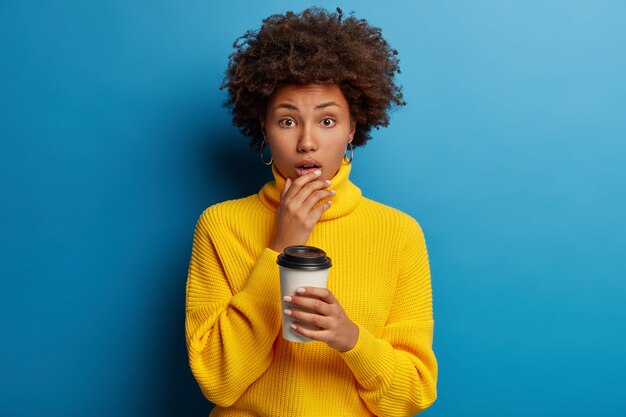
314	46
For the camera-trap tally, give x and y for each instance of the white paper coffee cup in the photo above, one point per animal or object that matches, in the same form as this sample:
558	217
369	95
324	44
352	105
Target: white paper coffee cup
300	266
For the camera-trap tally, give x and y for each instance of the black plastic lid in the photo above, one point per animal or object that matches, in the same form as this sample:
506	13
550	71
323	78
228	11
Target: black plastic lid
309	258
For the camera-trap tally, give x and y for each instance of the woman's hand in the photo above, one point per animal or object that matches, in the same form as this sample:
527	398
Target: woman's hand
296	215
319	307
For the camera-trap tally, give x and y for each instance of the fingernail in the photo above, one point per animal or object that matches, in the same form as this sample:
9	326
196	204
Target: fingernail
293	326
328	182
300	290
287	312
287	298
333	192
317	172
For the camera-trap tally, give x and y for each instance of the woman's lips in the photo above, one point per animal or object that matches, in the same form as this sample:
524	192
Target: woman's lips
306	166
303	171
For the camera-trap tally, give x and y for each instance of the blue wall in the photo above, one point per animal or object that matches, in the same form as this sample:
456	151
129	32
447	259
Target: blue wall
510	154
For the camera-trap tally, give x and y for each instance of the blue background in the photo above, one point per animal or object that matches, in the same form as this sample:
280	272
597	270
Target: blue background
510	154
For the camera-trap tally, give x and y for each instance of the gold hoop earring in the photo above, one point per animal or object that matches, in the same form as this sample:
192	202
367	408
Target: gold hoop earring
349	160
261	153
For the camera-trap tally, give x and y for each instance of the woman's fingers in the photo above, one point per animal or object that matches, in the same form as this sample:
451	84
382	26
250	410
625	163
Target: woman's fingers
299	211
318	211
318	315
319	335
315	197
323	294
312	304
286	188
298	202
298	196
298	183
317	320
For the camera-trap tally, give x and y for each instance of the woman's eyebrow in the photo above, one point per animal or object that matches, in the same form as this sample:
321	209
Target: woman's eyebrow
324	105
318	107
285	106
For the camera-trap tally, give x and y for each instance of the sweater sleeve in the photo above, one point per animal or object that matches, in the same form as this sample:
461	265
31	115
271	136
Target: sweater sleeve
397	373
229	335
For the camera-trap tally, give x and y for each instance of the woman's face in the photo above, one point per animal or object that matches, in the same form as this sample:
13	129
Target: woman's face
308	127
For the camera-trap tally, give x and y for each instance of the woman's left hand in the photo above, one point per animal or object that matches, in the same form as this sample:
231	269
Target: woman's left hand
319	307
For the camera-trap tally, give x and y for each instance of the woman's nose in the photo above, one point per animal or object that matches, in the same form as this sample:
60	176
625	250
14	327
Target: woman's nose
307	141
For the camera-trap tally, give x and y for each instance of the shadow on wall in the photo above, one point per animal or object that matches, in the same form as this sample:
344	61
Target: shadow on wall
242	171
181	395
232	171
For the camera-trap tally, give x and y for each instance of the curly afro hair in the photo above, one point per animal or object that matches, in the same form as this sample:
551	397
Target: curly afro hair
314	46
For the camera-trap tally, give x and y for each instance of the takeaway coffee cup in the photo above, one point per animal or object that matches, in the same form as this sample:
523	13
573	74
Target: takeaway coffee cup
300	266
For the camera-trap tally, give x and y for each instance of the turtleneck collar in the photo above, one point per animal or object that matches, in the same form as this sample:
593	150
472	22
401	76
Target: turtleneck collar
347	197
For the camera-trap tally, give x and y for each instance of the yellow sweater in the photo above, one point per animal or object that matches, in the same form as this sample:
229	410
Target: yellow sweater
381	277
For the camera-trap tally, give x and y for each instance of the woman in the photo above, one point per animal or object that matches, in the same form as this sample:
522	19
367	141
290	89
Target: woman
310	86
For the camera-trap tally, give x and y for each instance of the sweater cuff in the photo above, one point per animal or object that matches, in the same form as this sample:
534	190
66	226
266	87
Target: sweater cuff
371	360
262	289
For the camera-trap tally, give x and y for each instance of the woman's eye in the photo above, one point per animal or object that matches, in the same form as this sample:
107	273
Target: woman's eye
286	123
328	122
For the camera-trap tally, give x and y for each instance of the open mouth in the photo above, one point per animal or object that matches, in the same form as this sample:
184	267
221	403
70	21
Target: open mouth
305	167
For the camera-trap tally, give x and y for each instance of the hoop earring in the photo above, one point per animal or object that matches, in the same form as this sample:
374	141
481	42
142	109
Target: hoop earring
262	157
349	160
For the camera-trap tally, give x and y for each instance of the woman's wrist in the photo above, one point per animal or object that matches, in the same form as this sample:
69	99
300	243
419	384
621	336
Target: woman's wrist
353	338
276	246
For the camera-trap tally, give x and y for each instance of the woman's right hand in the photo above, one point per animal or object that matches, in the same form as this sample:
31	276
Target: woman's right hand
297	214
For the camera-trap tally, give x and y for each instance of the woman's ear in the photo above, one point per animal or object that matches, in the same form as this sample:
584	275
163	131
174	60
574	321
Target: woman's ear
262	123
352	129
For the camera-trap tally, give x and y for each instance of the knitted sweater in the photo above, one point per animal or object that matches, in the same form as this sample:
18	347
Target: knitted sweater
380	276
